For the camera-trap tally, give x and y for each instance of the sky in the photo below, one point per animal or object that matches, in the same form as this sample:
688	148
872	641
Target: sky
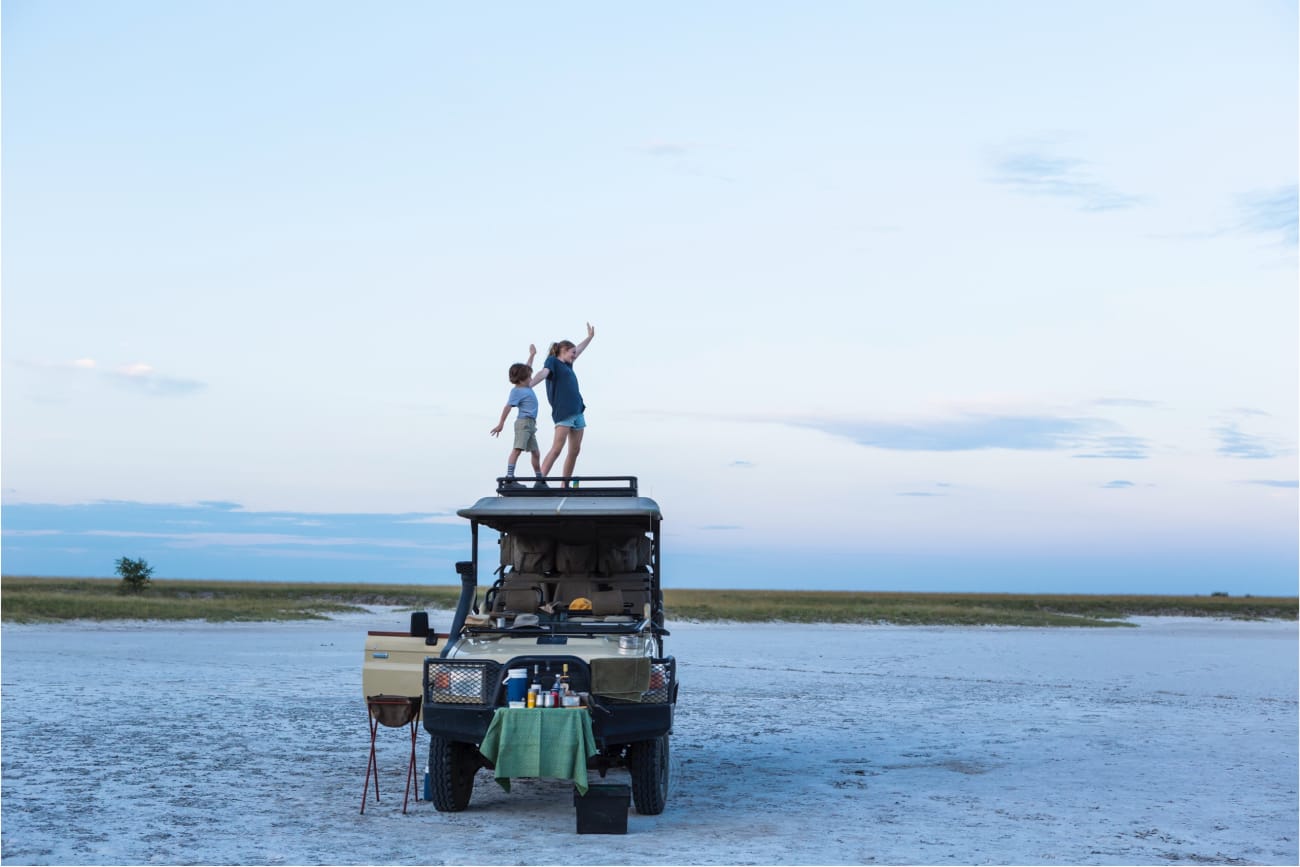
994	296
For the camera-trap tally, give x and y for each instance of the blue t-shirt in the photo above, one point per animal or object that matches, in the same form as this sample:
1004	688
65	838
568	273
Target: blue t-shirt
525	398
562	390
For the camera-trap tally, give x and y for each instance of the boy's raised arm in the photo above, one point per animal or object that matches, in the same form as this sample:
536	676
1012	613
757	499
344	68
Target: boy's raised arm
532	353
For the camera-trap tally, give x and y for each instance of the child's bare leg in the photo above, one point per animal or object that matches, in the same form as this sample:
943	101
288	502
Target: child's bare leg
575	446
537	461
561	435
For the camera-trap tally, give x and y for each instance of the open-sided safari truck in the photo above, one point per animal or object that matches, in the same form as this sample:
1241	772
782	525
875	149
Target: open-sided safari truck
577	583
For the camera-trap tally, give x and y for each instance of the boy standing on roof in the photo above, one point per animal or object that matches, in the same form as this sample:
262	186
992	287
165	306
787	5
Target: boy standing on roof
522	396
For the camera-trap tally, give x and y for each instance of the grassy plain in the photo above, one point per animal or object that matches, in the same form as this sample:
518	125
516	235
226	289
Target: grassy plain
31	600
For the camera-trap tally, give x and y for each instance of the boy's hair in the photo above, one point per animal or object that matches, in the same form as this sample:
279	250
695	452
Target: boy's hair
520	373
557	348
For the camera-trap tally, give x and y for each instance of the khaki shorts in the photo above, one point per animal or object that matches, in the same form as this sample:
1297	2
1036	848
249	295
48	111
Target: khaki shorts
526	434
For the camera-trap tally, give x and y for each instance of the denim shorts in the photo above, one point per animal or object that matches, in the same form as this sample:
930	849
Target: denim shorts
577	422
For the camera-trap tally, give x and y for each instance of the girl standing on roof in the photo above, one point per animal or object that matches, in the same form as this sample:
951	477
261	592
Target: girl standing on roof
566	401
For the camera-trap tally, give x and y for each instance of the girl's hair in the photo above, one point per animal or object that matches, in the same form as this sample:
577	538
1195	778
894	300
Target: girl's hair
519	373
557	348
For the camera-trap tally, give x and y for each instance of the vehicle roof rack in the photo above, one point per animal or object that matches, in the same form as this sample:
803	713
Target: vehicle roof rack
572	486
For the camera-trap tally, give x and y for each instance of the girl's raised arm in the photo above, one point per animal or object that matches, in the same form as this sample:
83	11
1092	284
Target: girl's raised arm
591	332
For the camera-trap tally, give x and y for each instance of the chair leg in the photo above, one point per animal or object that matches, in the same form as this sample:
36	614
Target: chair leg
410	773
371	765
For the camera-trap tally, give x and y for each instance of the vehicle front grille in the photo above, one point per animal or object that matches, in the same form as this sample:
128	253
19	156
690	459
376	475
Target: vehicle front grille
472	682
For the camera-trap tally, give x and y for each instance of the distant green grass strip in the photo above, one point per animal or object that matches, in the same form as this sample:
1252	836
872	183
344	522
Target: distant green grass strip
33	600
962	609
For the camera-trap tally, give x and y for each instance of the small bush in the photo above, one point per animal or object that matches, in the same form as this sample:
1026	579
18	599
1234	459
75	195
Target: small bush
135	574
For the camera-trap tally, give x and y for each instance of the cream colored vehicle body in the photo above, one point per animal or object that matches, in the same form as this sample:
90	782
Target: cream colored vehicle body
394	663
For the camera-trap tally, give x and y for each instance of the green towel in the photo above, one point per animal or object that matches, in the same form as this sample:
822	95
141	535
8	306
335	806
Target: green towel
620	677
537	742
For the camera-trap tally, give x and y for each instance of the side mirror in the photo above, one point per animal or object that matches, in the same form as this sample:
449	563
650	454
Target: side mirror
464	567
420	623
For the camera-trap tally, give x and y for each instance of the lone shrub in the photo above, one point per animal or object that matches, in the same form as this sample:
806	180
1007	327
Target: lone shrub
135	574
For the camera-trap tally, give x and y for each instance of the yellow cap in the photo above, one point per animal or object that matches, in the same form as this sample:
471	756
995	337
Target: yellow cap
582	603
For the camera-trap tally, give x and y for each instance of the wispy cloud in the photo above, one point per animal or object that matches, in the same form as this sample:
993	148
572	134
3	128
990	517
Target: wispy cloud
742	465
1118	483
1236	443
247	540
1126	402
1272	483
1272	213
143	378
684	158
666	149
207	540
1124	448
944	488
974	432
1037	171
721	527
136	376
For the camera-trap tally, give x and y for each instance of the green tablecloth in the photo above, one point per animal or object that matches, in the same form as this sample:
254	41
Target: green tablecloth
540	742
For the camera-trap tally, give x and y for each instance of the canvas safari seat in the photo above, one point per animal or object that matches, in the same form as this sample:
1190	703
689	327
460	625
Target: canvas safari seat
616	594
612	572
518	599
523	553
524	562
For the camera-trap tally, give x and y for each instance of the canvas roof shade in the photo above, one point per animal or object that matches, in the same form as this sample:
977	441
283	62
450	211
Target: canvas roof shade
508	513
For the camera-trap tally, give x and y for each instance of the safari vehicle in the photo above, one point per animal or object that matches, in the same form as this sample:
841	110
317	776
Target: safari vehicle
577	583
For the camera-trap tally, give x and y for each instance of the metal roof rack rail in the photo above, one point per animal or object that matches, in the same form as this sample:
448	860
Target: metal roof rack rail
571	486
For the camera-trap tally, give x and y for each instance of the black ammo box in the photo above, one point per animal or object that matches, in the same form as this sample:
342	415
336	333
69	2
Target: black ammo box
603	810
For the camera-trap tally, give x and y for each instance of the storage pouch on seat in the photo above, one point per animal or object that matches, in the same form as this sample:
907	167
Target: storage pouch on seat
623	555
528	553
574	559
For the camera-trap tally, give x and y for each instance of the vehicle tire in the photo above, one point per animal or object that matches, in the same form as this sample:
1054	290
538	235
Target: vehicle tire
647	761
452	766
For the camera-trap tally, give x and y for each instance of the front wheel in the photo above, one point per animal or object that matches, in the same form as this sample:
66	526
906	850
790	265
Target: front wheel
452	766
647	761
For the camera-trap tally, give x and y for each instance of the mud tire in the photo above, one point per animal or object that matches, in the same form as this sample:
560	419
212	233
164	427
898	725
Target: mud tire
452	766
647	762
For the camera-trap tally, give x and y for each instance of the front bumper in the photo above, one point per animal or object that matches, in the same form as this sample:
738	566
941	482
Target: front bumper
461	695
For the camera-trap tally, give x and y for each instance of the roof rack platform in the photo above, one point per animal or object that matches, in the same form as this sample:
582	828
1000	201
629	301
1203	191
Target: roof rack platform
571	486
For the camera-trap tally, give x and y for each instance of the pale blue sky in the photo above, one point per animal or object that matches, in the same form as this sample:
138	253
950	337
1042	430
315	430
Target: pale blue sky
995	295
